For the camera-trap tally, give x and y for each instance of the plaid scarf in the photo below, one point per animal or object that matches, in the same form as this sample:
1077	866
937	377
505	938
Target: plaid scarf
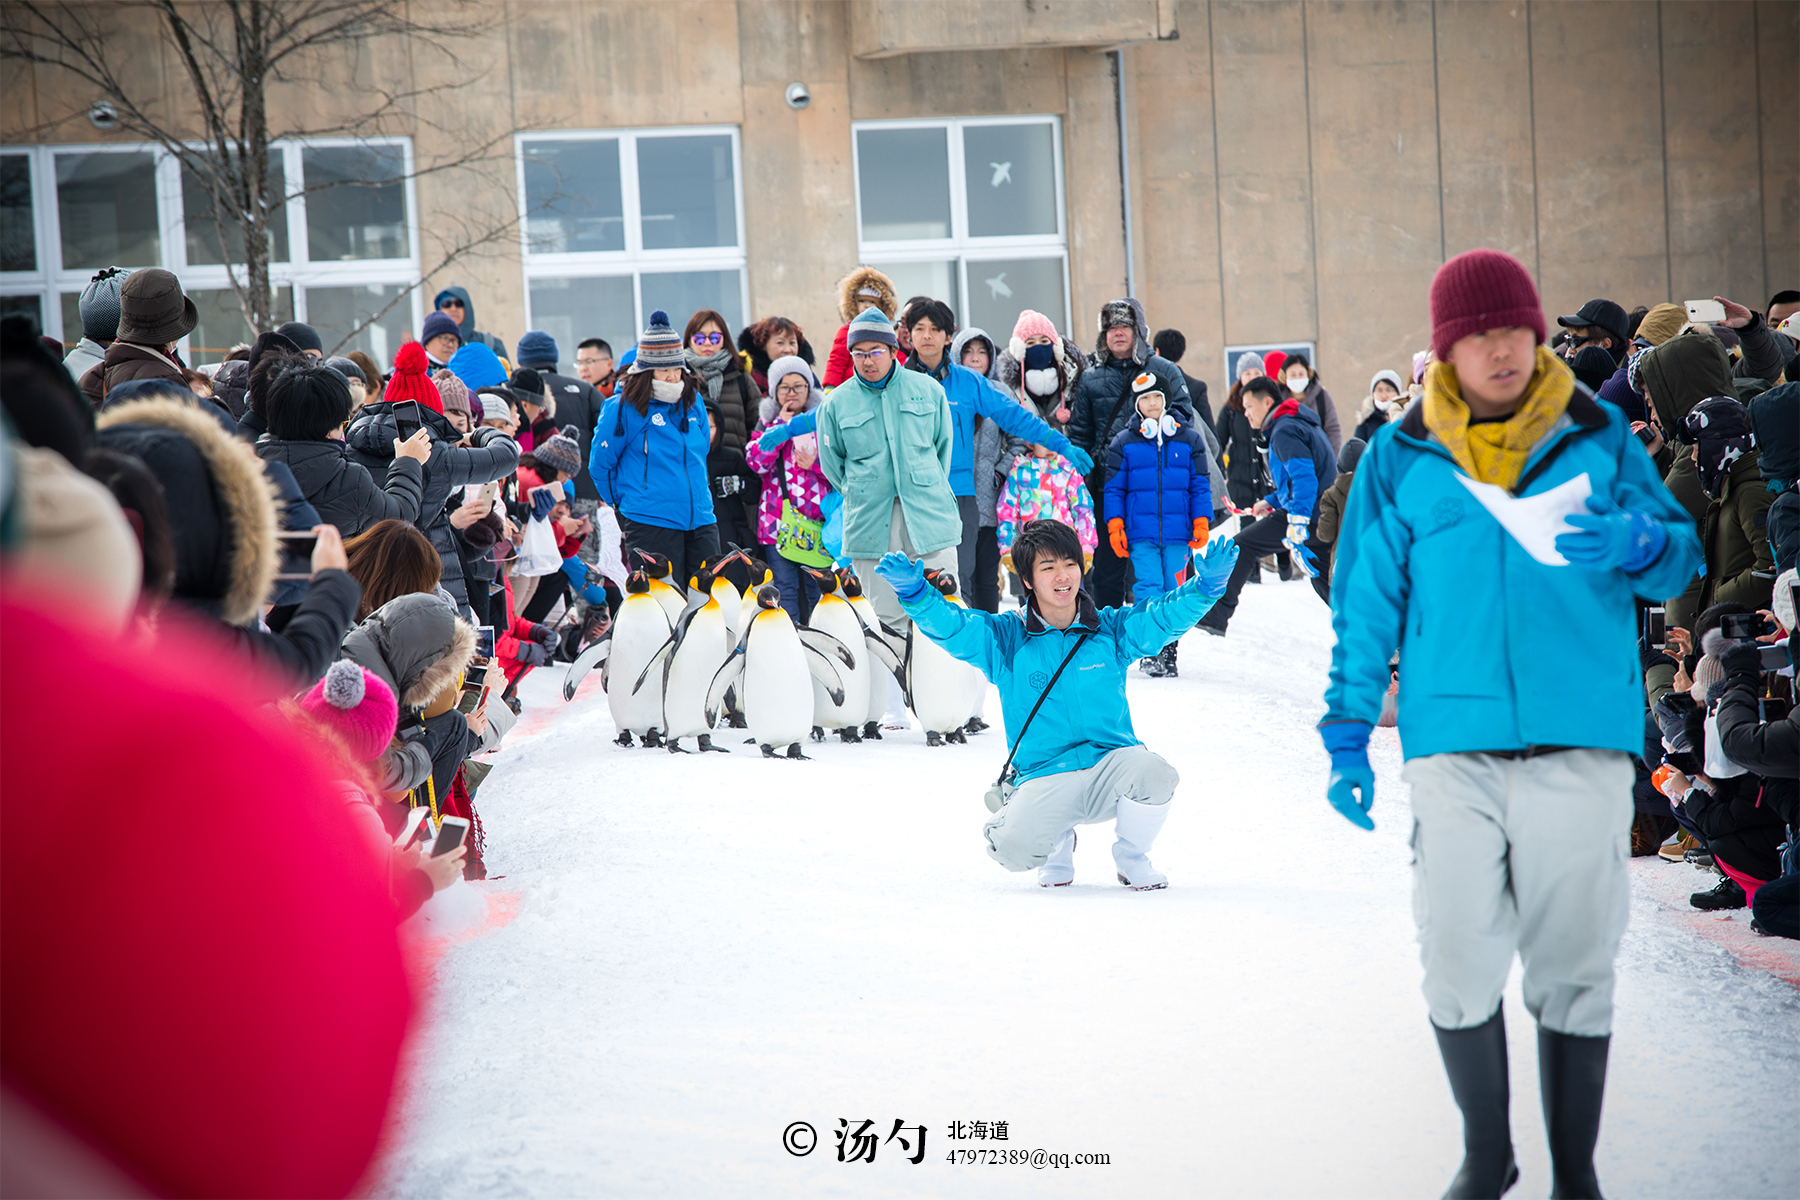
1495	451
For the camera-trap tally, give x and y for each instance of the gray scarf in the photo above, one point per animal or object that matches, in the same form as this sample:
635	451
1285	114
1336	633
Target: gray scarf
711	368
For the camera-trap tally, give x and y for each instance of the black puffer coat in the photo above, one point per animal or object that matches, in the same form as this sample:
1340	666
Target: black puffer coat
492	456
1770	749
342	490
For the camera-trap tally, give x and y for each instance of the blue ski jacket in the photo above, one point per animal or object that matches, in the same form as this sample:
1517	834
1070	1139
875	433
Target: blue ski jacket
1087	717
652	468
971	396
1497	650
1160	487
1301	461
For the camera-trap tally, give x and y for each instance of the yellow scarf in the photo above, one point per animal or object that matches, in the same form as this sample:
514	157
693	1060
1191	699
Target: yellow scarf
1495	451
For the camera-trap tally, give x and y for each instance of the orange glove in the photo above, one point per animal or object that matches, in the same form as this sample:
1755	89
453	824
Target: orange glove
1115	533
1201	528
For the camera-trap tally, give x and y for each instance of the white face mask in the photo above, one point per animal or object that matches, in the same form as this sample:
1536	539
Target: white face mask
1298	384
665	391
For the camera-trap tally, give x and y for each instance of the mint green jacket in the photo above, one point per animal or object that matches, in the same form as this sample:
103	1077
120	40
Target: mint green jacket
879	443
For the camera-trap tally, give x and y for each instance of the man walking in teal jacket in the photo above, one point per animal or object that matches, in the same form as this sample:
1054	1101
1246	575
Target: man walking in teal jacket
1521	702
1078	762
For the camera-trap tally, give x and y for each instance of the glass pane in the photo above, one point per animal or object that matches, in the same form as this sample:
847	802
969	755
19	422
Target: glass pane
361	211
681	294
934	279
1000	291
18	235
687	191
222	323
71	314
1009	172
572	310
903	176
335	311
107	205
203	233
27	306
573	199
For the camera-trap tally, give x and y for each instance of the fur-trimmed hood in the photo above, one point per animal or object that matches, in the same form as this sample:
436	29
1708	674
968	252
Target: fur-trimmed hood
1140	346
781	368
221	502
861	277
416	643
968	335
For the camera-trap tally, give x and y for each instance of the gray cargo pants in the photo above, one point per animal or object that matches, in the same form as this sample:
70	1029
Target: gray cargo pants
1527	855
1021	835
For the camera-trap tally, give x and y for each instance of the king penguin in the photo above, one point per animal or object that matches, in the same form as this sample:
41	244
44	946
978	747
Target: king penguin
772	670
833	615
877	640
664	588
639	632
941	689
694	653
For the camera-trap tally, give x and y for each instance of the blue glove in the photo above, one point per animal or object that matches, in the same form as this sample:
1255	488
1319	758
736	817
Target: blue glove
1348	742
806	422
541	504
905	576
1611	538
1080	459
1212	566
1297	531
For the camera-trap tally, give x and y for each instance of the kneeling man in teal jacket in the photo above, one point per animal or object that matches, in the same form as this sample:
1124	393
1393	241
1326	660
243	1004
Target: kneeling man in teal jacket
1520	701
1078	761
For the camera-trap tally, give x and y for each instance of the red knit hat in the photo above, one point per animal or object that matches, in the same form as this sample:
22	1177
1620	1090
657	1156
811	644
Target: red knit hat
410	381
1272	363
1479	291
357	706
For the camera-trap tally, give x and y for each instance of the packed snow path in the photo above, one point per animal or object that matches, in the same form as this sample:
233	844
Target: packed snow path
709	948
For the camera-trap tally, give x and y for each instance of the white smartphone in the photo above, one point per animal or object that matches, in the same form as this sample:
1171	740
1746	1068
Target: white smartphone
1708	311
450	834
410	829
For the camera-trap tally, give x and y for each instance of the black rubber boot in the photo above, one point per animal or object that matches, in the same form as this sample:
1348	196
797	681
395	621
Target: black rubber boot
1475	1061
1572	1073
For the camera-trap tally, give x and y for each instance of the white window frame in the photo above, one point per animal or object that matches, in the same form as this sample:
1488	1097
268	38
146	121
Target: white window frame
961	246
51	280
634	260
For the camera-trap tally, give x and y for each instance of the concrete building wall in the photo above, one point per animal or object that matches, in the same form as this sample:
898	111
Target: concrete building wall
1298	167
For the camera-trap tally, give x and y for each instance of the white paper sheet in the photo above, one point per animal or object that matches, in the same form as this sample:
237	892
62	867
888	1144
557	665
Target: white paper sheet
1534	521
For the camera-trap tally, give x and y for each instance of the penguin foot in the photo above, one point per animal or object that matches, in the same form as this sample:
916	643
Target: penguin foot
736	720
768	750
957	736
707	746
675	746
933	738
849	735
818	733
624	738
794	752
652	738
975	725
872	731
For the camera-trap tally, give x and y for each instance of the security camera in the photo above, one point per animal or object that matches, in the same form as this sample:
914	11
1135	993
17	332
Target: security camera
102	115
797	96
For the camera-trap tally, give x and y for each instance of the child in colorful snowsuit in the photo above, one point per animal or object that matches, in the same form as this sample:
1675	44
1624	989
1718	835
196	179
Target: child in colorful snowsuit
1042	486
794	488
1158	499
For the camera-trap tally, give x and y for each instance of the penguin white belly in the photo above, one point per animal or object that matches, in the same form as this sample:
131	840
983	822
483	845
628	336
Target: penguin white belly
942	698
776	687
879	676
673	602
832	615
691	669
638	633
732	605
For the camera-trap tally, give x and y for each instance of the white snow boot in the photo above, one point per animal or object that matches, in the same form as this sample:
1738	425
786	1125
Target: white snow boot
1137	827
1059	869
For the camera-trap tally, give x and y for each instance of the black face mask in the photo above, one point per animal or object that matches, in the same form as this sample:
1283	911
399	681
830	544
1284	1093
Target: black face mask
1039	372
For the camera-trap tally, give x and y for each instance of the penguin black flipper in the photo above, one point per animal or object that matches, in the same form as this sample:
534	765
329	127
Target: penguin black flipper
904	674
824	644
663	652
590	658
878	646
726	676
825	671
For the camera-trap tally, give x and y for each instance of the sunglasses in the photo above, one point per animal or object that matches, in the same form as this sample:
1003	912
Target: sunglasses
708	339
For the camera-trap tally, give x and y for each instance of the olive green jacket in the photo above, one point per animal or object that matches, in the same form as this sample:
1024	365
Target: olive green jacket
877	444
1734	536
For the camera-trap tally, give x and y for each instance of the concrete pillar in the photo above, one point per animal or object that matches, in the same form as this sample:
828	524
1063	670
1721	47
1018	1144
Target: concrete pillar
1778	92
1091	182
1485	130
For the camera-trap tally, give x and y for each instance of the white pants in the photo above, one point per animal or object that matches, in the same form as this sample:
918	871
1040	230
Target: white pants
881	596
1527	855
1021	835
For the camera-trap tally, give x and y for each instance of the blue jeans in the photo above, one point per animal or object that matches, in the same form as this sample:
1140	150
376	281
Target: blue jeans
1156	567
799	591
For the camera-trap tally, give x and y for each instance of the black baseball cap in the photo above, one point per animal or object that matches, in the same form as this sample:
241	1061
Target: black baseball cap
1603	313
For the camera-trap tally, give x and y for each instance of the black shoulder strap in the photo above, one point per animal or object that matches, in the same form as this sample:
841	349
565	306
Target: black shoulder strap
1103	435
1045	695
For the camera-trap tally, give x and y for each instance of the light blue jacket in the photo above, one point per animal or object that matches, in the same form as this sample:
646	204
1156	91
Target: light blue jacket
1086	717
1497	650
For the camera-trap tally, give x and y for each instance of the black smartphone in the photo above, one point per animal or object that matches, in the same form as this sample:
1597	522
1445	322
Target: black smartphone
1744	626
407	420
1772	708
1646	435
296	555
1654	636
1774	658
450	834
484	641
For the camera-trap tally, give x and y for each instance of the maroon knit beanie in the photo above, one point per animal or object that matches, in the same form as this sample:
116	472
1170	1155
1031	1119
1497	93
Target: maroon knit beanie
1479	291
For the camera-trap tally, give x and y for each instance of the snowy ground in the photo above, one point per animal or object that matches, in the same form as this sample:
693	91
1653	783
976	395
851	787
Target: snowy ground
710	948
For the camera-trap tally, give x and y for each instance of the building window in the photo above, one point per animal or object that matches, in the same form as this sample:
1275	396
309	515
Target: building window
620	223
968	211
342	245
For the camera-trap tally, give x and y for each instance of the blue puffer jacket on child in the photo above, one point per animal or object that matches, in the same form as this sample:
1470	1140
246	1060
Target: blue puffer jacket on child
1158	483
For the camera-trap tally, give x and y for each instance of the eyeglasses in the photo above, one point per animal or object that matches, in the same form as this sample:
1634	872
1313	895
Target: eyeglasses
708	339
791	389
879	352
